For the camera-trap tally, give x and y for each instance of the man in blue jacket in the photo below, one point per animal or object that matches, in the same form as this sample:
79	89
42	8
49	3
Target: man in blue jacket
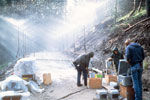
135	56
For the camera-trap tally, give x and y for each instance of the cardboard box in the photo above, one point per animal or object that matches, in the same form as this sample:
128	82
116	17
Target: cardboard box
28	77
127	92
110	78
95	83
12	98
47	79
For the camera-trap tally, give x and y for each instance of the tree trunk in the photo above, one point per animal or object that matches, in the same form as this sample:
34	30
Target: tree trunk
84	41
116	4
9	2
136	4
148	7
140	5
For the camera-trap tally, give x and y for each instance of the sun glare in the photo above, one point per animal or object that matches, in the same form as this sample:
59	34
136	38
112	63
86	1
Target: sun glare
14	22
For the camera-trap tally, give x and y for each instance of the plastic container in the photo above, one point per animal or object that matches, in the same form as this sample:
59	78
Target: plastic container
113	84
102	94
125	80
99	76
123	67
91	75
114	94
95	75
109	64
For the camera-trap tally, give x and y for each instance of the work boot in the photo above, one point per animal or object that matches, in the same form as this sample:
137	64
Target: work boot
79	85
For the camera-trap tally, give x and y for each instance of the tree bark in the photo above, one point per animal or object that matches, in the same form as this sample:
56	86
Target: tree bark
144	20
116	10
140	5
148	7
136	4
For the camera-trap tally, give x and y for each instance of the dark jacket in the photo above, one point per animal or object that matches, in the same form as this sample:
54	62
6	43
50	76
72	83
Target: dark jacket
116	57
134	54
82	62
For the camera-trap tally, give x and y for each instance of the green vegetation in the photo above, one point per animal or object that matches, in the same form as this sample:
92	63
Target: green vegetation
114	27
125	20
133	17
3	65
146	65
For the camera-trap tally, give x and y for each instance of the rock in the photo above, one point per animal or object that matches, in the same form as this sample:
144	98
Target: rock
146	79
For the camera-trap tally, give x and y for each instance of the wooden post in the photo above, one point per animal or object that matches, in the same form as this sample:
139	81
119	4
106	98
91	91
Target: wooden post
84	41
116	10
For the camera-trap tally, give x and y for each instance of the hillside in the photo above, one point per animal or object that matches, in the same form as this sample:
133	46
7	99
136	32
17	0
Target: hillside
55	32
106	36
8	42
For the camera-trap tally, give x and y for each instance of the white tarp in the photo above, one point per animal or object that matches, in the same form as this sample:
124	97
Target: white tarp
28	66
25	66
24	95
14	83
14	86
34	88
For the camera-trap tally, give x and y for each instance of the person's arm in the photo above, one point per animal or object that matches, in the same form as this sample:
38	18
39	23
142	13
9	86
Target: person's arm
112	56
122	55
87	64
128	55
76	63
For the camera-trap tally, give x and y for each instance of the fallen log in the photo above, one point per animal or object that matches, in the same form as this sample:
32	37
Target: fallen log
147	27
146	19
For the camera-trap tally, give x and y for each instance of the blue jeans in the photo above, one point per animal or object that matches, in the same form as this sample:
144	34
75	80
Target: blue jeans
136	71
79	73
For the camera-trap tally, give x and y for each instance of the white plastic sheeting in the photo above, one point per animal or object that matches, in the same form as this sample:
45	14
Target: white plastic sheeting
24	95
113	84
28	66
14	83
25	66
14	86
34	88
109	64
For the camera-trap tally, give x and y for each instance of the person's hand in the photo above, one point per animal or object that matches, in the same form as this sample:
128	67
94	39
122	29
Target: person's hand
87	69
128	61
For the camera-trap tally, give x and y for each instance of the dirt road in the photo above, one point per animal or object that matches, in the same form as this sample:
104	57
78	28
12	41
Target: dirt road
64	79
